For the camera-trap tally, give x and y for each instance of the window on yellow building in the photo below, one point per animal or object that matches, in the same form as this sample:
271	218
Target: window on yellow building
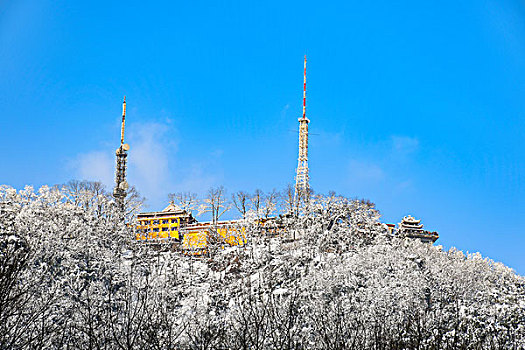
155	230
155	222
164	229
173	221
174	229
165	221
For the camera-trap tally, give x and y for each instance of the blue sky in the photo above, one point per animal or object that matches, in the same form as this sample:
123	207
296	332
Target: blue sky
418	106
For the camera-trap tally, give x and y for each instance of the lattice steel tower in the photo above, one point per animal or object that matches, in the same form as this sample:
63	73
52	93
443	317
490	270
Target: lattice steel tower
121	185
302	179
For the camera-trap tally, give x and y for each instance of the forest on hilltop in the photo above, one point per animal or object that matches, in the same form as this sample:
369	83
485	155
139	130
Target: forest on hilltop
73	276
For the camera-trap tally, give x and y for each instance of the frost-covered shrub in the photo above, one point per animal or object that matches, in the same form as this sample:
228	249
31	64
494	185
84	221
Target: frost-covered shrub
72	276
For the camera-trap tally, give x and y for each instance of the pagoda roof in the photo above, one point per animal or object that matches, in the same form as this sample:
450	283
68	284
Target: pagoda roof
410	226
410	219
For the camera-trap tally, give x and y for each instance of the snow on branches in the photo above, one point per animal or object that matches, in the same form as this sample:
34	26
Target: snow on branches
72	276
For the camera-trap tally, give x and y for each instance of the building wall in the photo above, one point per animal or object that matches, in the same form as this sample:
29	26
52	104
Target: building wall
154	227
192	236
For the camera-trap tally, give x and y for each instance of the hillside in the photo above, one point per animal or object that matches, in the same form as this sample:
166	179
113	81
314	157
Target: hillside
72	276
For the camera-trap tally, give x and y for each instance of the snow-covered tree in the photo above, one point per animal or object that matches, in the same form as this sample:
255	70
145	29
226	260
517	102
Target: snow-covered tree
240	202
215	203
187	201
72	276
270	203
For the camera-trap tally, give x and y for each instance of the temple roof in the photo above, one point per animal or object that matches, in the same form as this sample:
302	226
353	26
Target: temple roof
172	207
170	210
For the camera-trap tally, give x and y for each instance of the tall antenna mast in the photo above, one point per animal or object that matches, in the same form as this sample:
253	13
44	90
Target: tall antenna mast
123	121
121	185
304	89
302	179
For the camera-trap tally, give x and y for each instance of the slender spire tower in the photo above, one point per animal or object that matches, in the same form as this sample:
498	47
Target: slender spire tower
302	179
121	184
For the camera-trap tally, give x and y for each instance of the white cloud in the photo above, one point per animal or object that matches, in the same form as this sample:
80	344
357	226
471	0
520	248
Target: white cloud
150	156
404	145
403	186
94	166
153	166
365	171
197	179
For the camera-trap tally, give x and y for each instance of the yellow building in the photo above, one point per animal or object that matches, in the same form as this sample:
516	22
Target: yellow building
196	236
176	225
163	225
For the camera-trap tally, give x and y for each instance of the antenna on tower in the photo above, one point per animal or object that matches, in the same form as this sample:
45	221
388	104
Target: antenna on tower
123	121
304	89
302	178
121	185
